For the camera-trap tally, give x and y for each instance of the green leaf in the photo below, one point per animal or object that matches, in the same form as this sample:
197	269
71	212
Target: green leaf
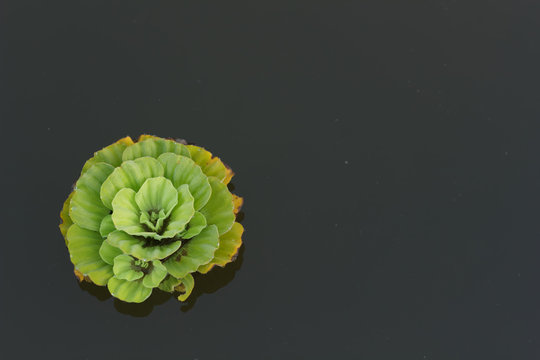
106	226
181	214
86	209
123	268
188	283
154	147
109	252
182	170
156	275
198	251
195	226
129	291
83	246
64	215
146	219
229	243
111	154
126	213
211	166
139	248
219	209
169	283
131	174
157	194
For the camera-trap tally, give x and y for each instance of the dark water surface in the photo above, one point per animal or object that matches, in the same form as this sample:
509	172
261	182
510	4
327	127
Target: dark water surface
388	153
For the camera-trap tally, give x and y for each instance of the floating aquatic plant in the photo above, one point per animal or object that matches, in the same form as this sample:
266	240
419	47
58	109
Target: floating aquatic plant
149	214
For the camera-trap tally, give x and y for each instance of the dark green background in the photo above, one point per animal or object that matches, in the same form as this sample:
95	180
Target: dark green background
388	152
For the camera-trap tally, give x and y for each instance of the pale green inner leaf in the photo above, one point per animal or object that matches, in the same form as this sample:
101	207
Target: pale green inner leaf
131	174
106	226
181	214
195	226
108	252
129	291
157	194
198	251
126	213
125	269
139	248
156	275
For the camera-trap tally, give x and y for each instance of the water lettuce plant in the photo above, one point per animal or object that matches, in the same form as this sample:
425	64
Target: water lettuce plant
149	214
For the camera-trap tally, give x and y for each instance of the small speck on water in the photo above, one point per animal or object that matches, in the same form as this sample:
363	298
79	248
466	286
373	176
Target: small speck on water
49	129
346	162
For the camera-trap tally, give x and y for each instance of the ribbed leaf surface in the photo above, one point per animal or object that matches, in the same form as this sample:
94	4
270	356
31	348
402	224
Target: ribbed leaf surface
128	291
154	147
139	248
229	243
198	251
182	170
131	174
83	245
86	208
219	209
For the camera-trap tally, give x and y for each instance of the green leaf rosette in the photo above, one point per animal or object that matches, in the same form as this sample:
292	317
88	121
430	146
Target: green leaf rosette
149	214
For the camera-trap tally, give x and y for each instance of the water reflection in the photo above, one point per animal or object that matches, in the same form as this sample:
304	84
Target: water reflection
213	281
204	284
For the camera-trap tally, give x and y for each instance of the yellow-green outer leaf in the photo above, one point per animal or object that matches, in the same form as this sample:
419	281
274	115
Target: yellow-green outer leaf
229	243
86	208
83	248
128	291
188	283
219	209
211	166
111	154
64	215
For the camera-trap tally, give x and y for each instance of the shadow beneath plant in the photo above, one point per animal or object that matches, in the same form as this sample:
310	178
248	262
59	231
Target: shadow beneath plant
143	309
137	310
208	283
214	280
99	292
